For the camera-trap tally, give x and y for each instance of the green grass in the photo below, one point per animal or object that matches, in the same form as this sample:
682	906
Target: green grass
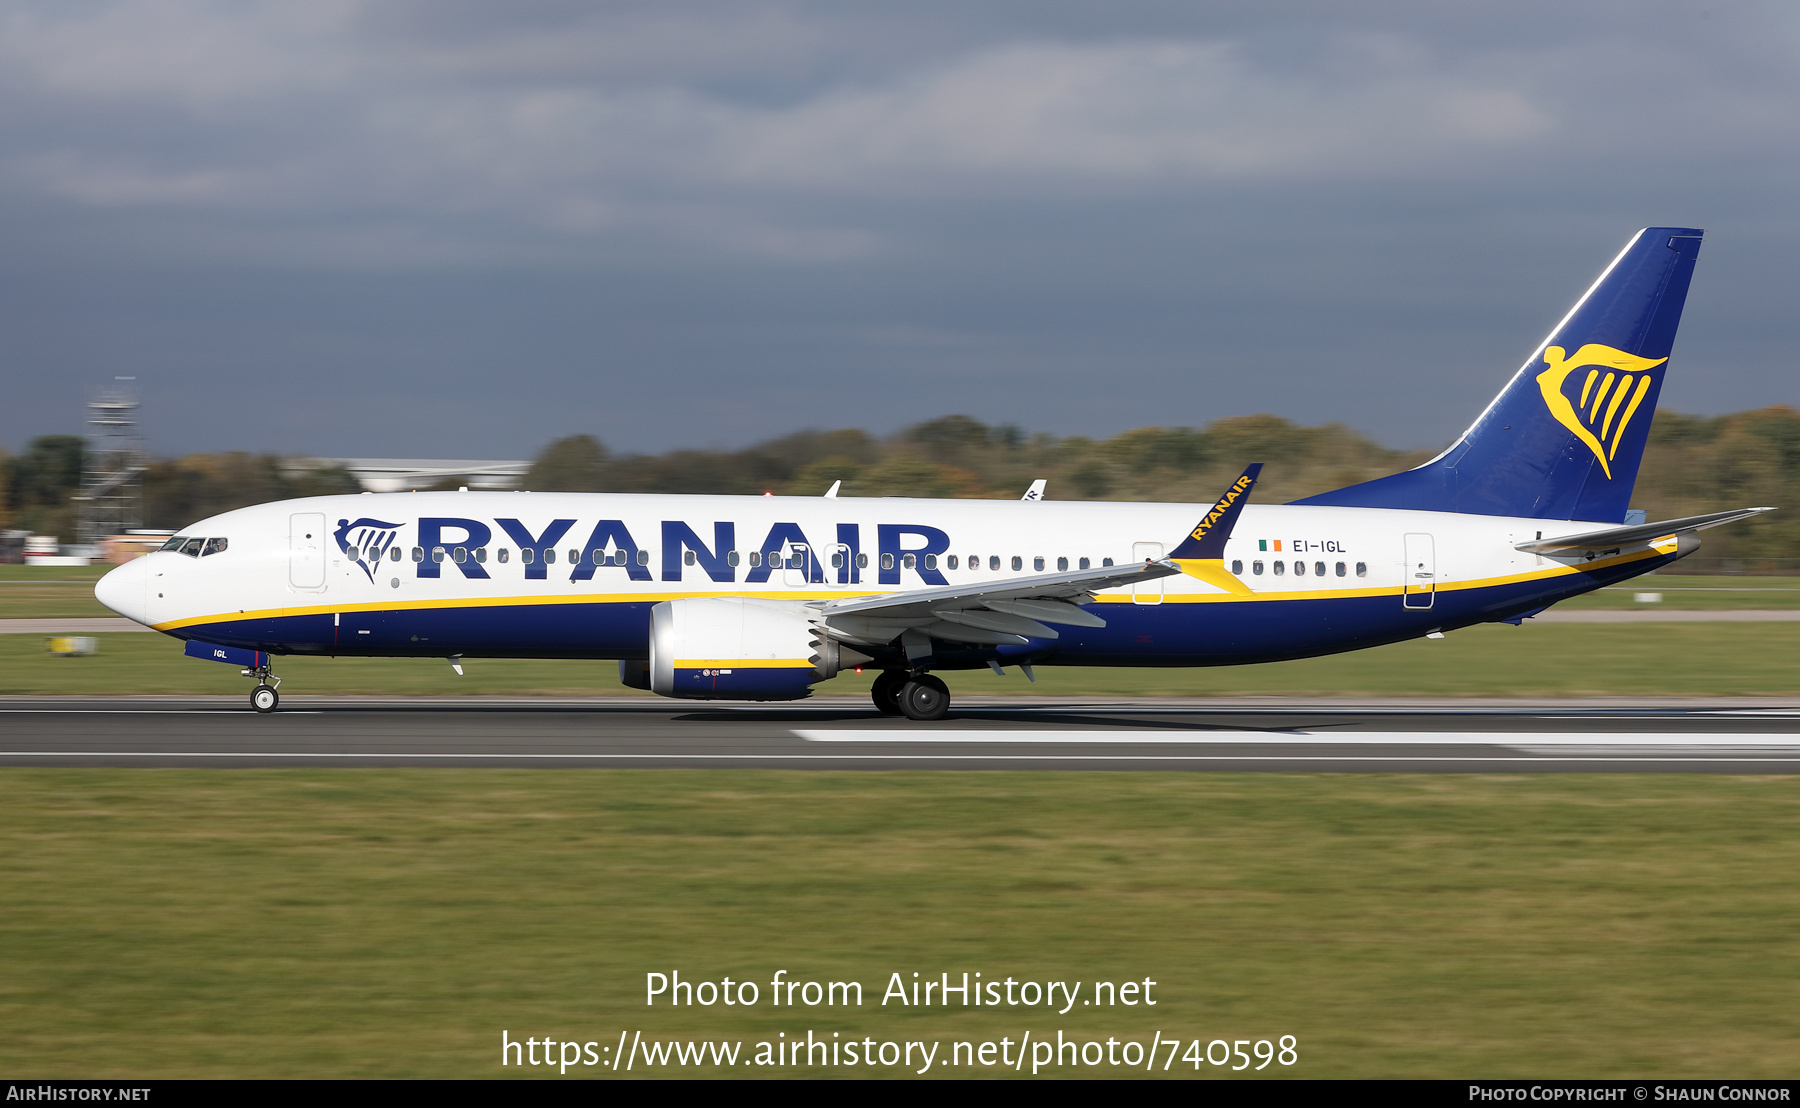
170	923
1696	593
1694	659
31	592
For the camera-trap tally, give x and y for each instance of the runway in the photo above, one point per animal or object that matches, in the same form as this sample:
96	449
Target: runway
1716	736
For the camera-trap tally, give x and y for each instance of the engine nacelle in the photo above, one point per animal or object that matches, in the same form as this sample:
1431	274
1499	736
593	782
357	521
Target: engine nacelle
730	649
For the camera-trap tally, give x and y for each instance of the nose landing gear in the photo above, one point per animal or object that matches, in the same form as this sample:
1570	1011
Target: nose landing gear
263	697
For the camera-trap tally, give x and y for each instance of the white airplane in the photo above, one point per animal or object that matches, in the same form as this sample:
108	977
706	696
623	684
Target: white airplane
761	598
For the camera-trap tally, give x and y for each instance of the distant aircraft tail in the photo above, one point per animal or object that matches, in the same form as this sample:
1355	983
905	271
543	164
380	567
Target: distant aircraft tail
1564	438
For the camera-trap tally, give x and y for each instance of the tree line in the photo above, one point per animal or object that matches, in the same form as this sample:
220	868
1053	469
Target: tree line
1693	464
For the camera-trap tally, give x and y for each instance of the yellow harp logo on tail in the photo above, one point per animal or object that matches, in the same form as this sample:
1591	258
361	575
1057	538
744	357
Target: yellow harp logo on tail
1609	397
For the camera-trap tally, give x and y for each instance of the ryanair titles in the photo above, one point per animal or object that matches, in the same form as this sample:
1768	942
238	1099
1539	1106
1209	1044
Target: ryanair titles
467	546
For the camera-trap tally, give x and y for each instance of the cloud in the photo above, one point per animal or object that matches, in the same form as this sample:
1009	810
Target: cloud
729	126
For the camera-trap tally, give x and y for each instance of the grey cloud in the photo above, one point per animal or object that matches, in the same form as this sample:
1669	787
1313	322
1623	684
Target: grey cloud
866	213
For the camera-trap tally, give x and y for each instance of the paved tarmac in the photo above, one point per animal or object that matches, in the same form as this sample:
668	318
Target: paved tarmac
1272	734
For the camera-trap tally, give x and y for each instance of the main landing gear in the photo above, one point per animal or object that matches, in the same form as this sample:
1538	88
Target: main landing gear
915	696
263	697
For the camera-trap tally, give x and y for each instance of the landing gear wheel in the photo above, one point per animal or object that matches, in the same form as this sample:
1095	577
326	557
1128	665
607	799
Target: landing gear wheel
886	691
925	698
263	698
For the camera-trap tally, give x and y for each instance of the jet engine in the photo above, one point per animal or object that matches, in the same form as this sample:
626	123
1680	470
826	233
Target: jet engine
728	648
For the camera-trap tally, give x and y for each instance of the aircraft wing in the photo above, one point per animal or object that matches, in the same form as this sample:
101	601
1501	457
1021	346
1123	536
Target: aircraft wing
1004	611
1636	533
1019	609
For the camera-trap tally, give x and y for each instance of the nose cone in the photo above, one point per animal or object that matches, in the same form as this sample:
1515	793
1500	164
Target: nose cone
122	590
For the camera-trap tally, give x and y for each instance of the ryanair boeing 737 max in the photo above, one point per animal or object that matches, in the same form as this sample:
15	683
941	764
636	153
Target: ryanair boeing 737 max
760	598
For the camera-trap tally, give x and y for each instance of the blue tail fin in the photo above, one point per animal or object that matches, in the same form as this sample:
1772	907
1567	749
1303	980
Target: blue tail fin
1564	438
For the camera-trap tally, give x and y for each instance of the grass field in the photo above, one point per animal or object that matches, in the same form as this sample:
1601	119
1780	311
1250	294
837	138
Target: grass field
392	923
1693	659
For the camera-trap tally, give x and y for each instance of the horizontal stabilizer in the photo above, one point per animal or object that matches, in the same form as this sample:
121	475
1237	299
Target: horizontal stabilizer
1642	532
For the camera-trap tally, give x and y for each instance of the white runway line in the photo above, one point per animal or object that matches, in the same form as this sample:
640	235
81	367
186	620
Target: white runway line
1309	759
148	712
1547	741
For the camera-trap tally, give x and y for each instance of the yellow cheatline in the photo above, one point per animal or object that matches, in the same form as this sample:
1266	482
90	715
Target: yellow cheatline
495	602
1665	545
1660	547
1560	365
742	663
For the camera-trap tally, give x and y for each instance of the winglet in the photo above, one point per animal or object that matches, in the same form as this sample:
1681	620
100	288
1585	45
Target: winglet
1202	553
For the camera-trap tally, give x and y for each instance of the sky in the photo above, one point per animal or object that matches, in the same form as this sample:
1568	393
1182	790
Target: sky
460	230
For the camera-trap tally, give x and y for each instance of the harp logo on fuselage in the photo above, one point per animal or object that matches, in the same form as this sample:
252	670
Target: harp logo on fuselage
365	541
1601	410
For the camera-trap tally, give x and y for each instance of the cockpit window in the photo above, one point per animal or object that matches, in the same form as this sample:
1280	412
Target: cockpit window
215	546
192	547
173	544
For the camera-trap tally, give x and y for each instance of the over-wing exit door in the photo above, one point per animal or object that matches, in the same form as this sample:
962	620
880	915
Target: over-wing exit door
1421	571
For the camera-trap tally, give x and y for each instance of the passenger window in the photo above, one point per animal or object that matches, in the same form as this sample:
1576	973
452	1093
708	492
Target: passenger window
1318	569
907	561
1362	569
527	555
643	557
502	554
773	557
731	558
931	561
1237	567
481	553
993	561
418	554
1256	568
1104	562
1018	563
862	561
837	559
394	554
1280	568
755	558
1085	564
1037	562
1340	569
887	561
1062	563
574	557
437	553
550	557
687	558
953	561
461	554
1299	569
